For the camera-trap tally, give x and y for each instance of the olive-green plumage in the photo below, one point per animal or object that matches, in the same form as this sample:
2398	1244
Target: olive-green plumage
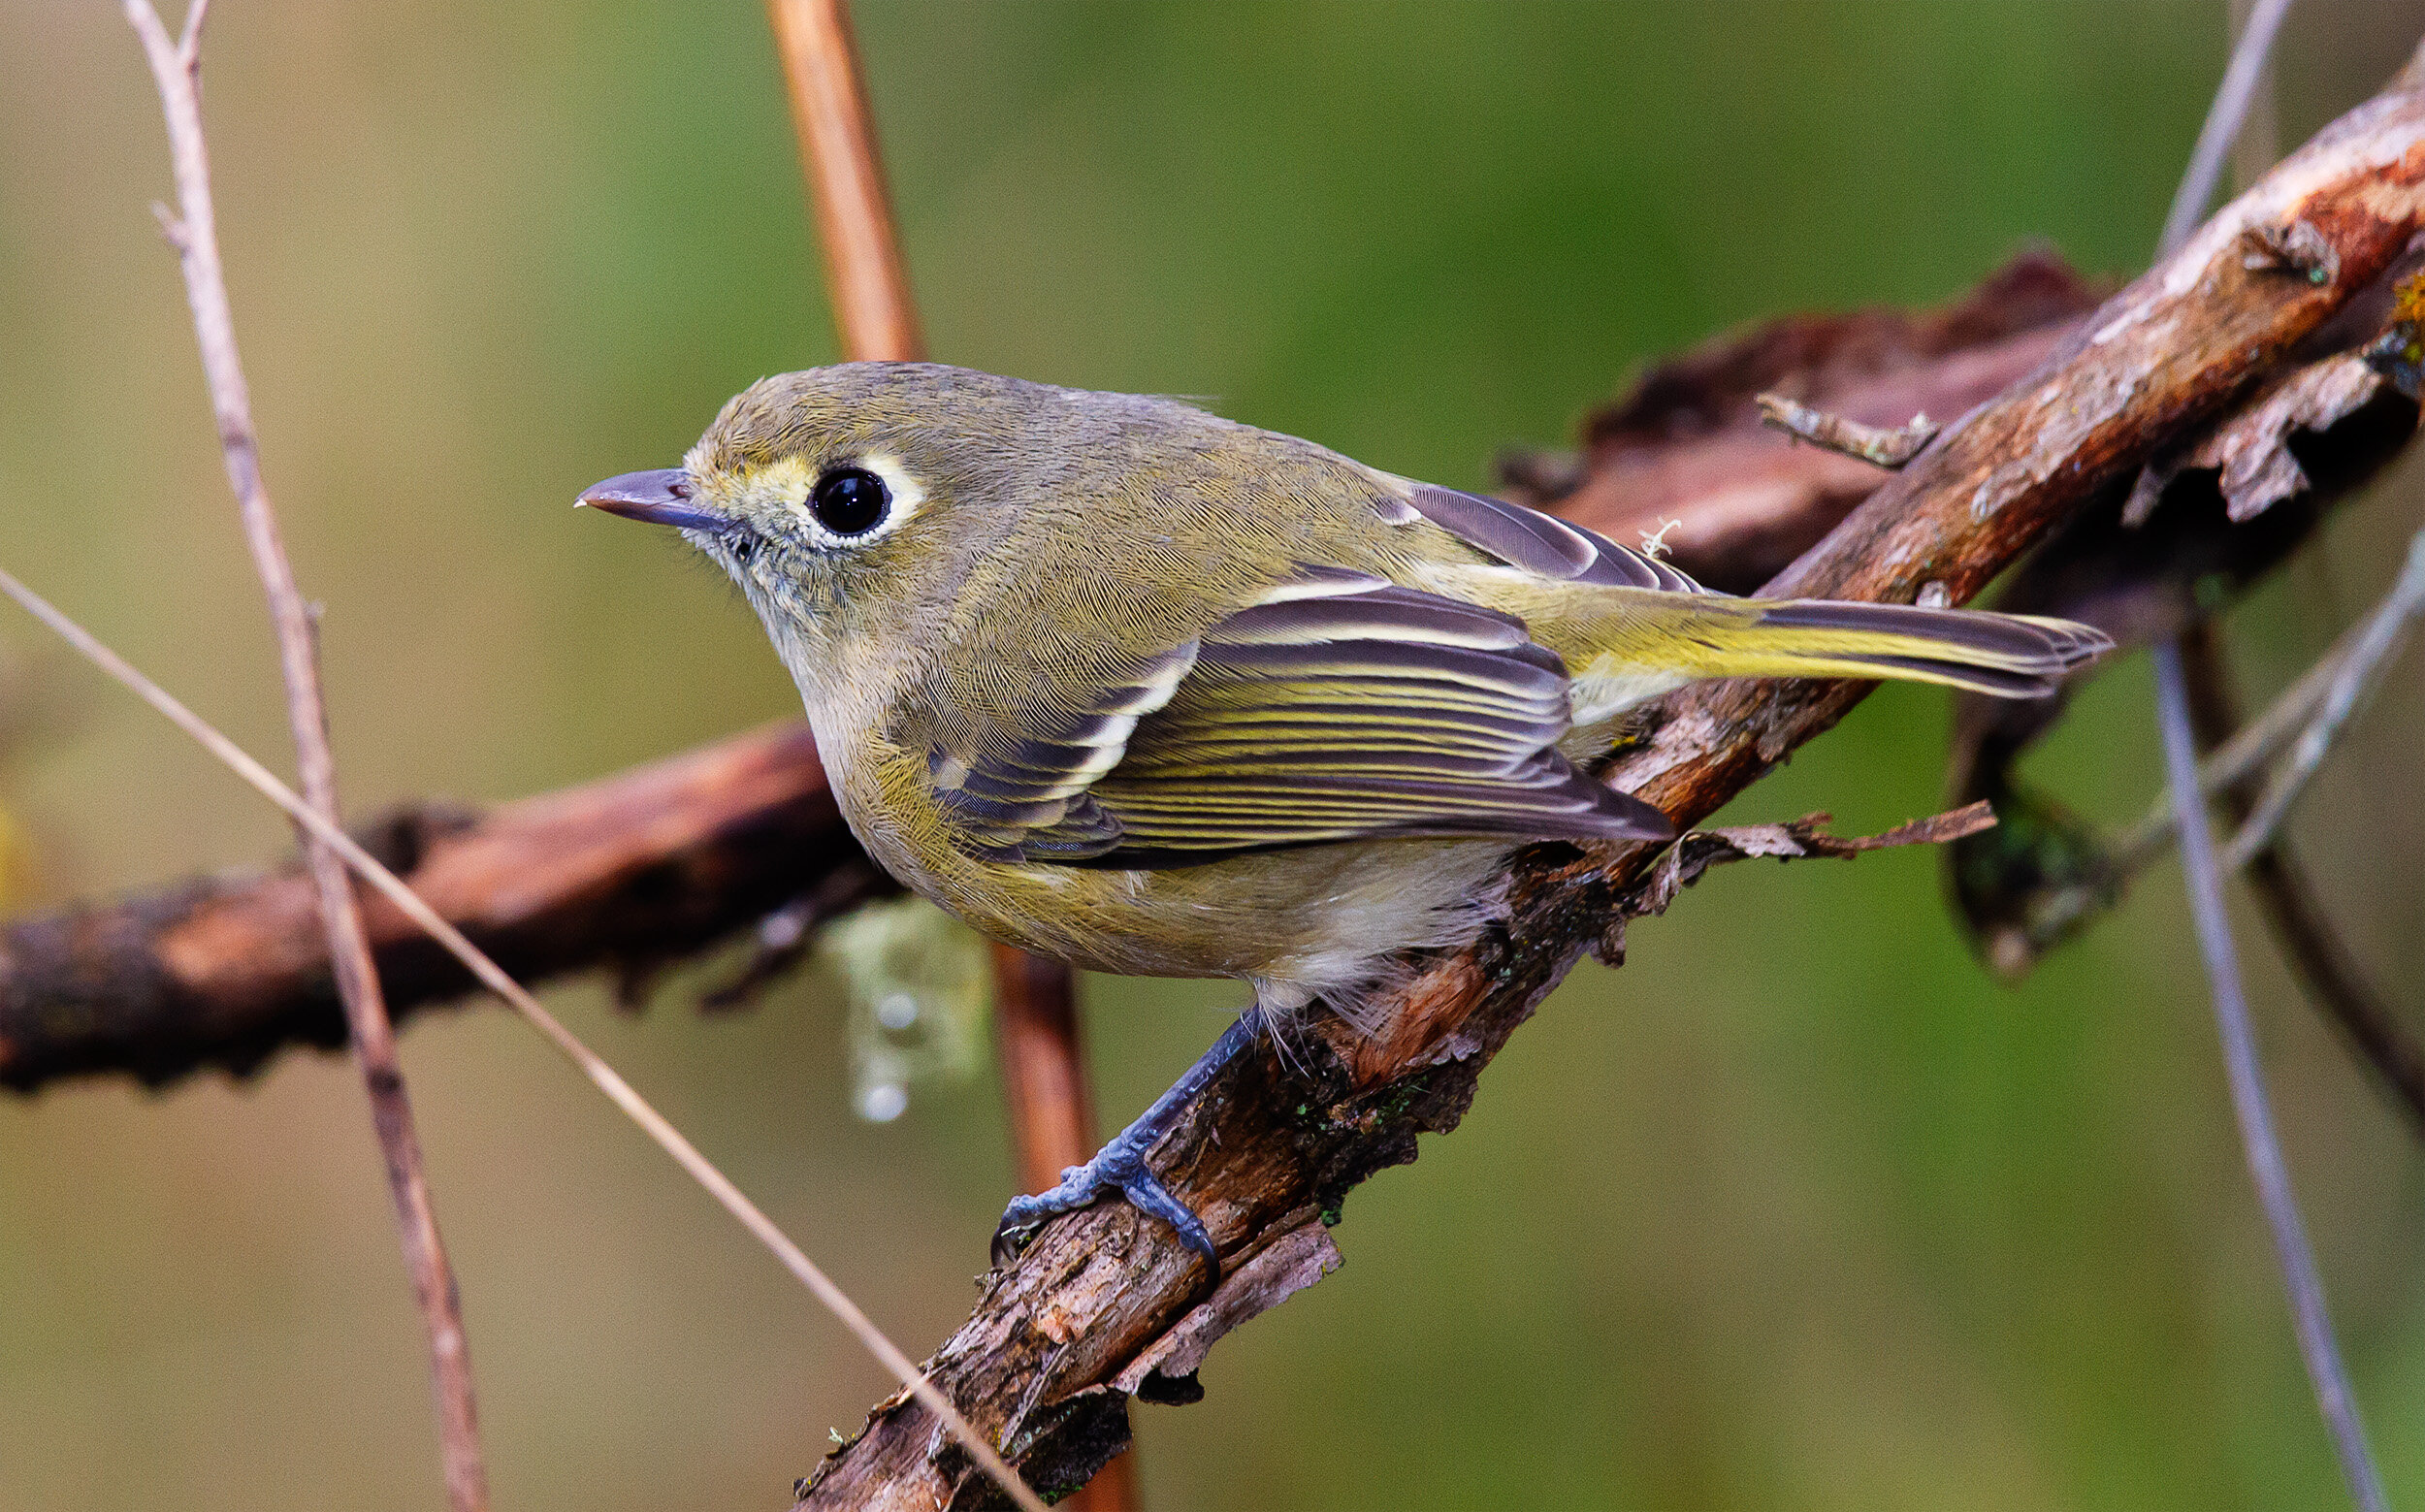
1150	692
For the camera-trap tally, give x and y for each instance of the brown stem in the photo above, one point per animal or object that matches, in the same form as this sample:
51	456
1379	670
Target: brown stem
177	68
872	309
1035	1024
1097	1288
1044	1086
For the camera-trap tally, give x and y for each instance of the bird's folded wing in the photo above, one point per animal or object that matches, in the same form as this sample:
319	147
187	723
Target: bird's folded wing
1343	708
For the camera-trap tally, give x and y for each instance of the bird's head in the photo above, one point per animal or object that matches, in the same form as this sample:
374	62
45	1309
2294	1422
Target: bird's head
850	501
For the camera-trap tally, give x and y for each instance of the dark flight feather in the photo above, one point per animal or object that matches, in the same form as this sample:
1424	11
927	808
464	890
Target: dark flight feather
1542	543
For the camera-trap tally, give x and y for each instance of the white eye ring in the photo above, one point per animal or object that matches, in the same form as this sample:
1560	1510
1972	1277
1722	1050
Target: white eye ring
903	497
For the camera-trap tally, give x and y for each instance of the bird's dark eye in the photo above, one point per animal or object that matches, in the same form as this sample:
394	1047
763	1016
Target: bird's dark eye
850	501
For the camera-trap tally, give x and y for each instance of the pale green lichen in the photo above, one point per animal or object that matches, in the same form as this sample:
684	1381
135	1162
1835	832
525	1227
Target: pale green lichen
918	995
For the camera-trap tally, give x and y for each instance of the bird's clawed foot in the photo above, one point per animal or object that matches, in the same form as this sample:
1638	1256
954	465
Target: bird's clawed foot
1121	1165
1118	1167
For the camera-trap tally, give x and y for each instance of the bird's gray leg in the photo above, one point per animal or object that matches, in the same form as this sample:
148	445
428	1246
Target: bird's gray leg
1121	1165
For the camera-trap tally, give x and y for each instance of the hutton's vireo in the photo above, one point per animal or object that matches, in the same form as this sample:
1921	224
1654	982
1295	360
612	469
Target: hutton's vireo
1148	692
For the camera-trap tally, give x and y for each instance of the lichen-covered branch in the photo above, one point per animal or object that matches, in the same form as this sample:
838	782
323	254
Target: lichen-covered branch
1265	1149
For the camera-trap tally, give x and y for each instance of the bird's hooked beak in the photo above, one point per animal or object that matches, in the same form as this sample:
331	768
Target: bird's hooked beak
659	496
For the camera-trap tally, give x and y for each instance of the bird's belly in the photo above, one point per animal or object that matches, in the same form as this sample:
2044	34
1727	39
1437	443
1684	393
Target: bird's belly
1311	922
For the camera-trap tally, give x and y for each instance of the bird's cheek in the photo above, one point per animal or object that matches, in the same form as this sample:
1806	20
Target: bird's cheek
803	602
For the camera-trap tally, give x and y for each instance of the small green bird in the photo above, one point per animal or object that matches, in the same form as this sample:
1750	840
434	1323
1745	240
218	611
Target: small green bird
1150	692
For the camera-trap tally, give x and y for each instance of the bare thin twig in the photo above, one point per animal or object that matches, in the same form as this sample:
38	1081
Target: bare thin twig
177	68
2259	142
2353	678
2250	1105
323	831
1884	446
2328	971
2307	719
2304	721
2233	98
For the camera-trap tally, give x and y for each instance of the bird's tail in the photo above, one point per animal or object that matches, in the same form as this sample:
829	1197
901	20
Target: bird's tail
1690	637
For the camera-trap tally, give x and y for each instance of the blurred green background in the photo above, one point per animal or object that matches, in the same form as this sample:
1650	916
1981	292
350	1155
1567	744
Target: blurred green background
1798	1210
